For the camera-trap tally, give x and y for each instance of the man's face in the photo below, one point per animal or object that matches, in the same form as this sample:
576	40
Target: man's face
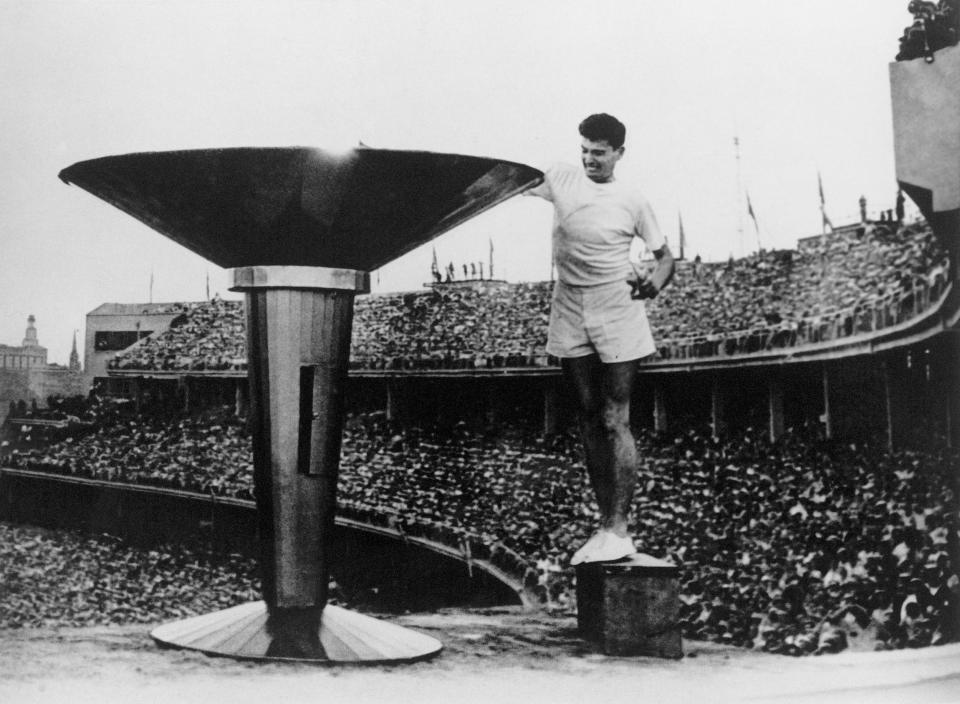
599	159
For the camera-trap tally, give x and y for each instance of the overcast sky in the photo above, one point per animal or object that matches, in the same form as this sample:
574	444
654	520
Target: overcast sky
803	84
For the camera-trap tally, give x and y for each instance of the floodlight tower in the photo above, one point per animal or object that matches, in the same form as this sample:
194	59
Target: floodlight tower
301	229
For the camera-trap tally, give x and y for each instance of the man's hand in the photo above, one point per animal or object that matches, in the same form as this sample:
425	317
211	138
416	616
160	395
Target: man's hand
641	283
647	283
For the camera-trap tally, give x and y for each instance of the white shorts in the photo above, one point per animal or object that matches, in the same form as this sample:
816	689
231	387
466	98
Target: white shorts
598	319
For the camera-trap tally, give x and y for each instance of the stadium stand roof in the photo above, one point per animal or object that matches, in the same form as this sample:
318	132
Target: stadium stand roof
138	308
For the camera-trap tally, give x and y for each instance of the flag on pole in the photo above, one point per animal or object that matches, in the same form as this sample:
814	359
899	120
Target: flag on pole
683	236
208	284
435	265
823	207
490	240
753	215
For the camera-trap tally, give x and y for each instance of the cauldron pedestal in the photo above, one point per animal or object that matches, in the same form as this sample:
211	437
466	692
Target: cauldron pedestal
298	345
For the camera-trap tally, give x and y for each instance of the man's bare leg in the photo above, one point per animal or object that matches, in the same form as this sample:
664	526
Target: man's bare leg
618	379
603	394
585	375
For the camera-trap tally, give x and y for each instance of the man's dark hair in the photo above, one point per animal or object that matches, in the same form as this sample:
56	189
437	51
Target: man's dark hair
604	127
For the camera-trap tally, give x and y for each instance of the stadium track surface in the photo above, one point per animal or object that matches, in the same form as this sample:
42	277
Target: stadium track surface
499	655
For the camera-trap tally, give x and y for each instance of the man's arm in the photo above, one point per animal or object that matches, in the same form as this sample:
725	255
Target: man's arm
647	284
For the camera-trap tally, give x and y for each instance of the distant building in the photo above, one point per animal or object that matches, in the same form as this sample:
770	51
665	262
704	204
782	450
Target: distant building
30	354
26	376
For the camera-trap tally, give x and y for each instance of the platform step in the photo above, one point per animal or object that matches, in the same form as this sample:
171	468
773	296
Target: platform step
630	606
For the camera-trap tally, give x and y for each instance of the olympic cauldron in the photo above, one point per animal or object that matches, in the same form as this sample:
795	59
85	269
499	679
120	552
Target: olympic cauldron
301	228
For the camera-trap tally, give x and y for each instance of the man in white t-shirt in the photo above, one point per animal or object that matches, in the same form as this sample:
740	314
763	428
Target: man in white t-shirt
598	324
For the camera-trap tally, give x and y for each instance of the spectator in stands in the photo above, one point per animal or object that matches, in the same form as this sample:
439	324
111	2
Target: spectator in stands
935	26
596	218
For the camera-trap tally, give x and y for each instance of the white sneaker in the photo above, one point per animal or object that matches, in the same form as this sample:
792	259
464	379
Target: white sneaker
586	549
603	546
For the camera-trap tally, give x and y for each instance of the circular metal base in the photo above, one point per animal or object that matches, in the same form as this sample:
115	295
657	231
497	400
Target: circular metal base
345	637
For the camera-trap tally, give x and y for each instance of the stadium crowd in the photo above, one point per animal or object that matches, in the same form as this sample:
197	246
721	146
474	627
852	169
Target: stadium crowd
460	326
59	578
935	25
805	546
851	281
208	336
208	452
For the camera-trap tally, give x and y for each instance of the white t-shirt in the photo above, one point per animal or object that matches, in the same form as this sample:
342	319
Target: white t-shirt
594	225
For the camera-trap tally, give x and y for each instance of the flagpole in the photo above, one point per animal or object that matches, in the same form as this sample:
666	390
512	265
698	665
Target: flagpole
823	212
435	267
824	220
753	216
736	148
683	238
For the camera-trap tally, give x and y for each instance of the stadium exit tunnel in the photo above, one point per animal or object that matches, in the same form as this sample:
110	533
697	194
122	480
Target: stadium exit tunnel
301	228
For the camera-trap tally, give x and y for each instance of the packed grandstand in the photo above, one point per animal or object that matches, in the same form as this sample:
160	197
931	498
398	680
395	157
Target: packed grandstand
801	546
857	280
804	545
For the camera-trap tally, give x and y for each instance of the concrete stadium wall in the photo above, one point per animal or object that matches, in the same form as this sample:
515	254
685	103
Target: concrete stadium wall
14	386
37	385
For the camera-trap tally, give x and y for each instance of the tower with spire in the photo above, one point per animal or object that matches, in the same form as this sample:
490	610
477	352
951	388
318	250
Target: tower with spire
30	339
74	365
30	354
